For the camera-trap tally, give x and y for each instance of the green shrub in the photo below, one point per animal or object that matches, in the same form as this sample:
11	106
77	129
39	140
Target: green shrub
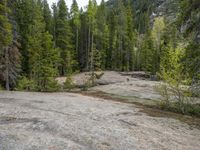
68	84
91	81
193	109
1	88
178	99
189	109
87	85
26	85
164	92
51	85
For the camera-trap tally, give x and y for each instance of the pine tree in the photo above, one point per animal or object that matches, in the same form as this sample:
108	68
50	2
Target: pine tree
54	22
102	37
130	40
92	31
189	18
47	68
24	17
83	41
10	65
75	17
110	54
43	56
192	62
47	16
7	55
147	54
121	26
5	26
64	39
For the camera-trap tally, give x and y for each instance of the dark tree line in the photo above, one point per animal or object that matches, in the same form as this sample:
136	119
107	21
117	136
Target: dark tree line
38	43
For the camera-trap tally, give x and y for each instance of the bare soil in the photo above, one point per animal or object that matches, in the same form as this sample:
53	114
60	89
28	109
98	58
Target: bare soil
59	121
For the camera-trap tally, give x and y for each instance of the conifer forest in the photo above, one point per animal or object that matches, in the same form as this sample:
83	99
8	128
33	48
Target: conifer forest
40	42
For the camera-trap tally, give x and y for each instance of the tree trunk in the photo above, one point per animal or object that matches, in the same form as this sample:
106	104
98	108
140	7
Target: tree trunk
7	69
88	51
92	56
77	40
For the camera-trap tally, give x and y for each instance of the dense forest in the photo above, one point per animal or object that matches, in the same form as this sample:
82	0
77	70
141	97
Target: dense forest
39	42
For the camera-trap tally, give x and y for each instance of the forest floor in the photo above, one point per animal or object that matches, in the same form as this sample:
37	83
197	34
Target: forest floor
58	121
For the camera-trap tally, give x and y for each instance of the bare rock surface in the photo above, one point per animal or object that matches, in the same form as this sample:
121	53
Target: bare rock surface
134	87
122	84
65	121
109	77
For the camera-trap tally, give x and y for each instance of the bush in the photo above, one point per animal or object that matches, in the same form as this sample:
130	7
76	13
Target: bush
1	88
190	109
178	98
69	85
193	109
88	83
164	92
91	81
26	85
50	86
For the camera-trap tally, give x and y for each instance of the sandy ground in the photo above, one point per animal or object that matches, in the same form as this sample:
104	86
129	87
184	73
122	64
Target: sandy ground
65	121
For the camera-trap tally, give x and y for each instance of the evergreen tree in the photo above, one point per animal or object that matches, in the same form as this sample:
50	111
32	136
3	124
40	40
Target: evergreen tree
121	26
5	26
54	22
189	18
42	55
191	62
75	17
102	36
24	18
91	13
148	54
9	54
47	70
64	39
83	41
110	54
10	65
130	41
47	16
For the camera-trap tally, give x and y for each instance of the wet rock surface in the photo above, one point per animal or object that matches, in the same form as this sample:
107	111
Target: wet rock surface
59	121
